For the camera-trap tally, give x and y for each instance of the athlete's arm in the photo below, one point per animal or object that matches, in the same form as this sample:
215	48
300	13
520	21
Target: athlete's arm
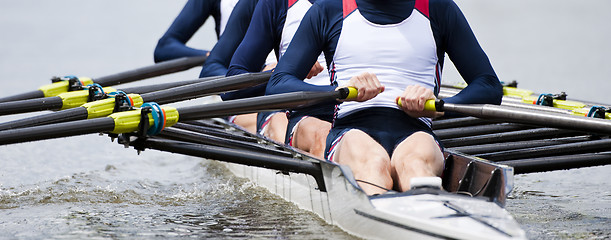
467	55
263	34
220	56
307	44
172	44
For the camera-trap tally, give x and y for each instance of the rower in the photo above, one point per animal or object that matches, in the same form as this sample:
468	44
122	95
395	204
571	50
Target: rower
388	50
274	23
194	14
232	19
220	56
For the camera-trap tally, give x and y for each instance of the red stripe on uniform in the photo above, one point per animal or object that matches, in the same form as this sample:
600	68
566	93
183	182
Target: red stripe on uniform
423	7
291	2
349	7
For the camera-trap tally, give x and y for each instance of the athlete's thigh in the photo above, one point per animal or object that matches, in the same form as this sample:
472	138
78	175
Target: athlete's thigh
358	146
419	145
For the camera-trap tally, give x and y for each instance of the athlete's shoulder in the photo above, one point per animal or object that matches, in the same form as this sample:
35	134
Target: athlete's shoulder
441	2
442	5
328	5
327	9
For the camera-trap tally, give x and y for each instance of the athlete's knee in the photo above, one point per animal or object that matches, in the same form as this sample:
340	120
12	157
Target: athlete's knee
321	131
379	163
276	129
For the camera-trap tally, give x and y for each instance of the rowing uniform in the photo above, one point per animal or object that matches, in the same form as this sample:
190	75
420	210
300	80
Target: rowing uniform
217	63
272	27
172	44
403	43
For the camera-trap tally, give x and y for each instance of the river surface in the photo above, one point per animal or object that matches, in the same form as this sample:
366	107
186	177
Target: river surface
87	187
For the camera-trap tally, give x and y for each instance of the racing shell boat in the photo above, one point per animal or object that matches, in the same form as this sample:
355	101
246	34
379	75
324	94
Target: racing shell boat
470	205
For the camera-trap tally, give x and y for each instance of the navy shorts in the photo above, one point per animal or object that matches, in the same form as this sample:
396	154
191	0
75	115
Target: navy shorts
387	126
324	113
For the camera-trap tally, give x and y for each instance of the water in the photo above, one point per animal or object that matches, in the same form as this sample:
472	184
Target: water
87	187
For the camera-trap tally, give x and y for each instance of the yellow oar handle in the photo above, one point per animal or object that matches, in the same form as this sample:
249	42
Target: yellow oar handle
128	121
347	93
56	88
77	98
105	107
429	105
352	93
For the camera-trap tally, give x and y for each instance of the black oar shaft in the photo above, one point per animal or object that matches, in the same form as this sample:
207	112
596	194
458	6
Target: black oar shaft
55	103
155	70
22	96
257	104
32	105
505	146
544	151
214	132
528	116
67	115
478	130
458	122
171	66
522	135
559	162
206	88
194	137
57	130
250	158
162	86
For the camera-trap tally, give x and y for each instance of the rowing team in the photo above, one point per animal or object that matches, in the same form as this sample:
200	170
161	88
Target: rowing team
392	51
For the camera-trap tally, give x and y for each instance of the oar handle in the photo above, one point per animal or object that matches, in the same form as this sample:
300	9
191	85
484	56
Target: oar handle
62	86
429	105
348	93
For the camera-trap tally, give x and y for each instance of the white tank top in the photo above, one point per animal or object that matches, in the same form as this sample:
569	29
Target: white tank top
295	12
399	55
226	9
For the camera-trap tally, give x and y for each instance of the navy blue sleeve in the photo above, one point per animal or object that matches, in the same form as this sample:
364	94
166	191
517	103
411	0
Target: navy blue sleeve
309	41
194	14
237	24
263	35
320	28
454	36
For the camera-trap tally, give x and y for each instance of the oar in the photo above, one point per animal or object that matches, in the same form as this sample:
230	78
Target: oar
195	137
245	157
521	135
559	162
506	146
102	108
131	121
478	130
525	116
600	145
158	69
458	122
74	99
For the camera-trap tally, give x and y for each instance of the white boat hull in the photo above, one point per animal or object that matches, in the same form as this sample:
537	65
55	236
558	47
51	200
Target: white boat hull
389	216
